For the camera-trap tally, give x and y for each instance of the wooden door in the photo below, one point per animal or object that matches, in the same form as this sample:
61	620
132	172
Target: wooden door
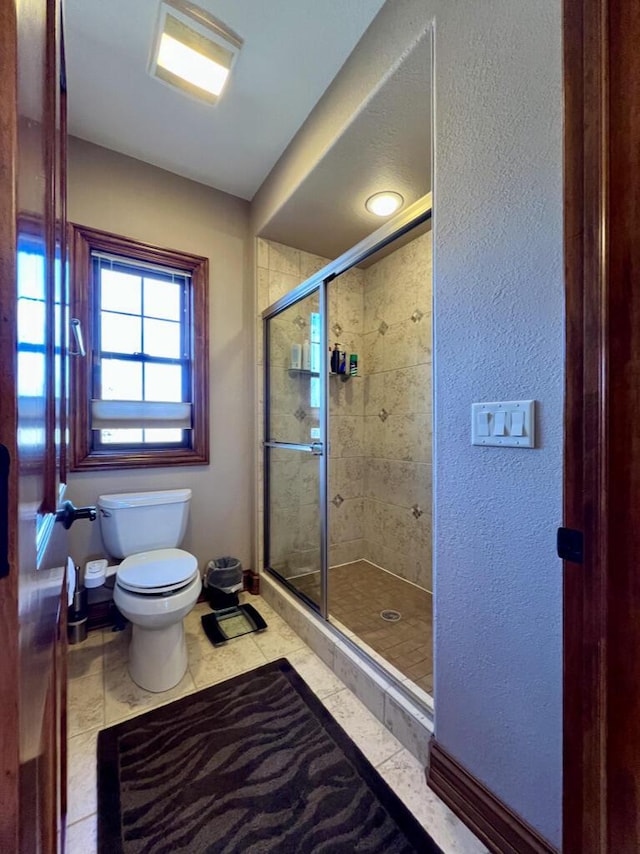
33	550
602	433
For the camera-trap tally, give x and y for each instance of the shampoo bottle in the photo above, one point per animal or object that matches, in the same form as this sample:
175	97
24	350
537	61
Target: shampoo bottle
335	359
306	358
296	357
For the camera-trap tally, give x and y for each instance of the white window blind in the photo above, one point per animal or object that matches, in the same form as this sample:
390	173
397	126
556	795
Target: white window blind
122	414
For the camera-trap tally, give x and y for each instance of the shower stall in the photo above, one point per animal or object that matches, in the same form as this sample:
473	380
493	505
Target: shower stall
347	510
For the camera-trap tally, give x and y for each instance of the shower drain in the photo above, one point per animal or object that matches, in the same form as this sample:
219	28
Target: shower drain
390	615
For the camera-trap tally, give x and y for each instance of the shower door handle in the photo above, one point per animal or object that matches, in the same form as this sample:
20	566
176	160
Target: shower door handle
317	448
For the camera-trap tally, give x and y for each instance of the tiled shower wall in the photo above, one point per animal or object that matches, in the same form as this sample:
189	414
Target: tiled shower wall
380	422
398	412
346	424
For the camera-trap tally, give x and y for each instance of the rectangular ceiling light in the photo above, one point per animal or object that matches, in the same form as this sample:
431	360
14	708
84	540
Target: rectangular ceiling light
192	50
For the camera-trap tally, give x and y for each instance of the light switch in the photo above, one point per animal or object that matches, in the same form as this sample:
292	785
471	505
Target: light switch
517	423
483	424
506	423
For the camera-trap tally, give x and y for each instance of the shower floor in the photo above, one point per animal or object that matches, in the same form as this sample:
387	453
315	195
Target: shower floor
358	592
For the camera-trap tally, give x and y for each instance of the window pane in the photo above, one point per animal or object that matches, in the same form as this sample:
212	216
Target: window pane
314	392
31	321
120	291
315	327
121	333
121	437
30	275
162	338
31	380
314	357
121	380
159	436
163	382
162	299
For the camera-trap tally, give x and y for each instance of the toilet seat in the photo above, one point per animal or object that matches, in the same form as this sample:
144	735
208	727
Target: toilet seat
157	572
157	591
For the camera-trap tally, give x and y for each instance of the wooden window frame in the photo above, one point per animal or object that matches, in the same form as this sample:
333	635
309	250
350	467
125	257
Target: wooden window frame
84	241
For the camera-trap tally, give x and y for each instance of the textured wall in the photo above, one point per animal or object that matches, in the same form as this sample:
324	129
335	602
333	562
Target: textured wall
498	296
116	193
499	335
397	408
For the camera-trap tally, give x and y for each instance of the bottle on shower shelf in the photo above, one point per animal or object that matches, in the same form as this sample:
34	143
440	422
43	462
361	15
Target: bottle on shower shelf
335	359
296	357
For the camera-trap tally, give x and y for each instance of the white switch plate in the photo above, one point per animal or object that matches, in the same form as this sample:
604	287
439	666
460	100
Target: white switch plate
504	408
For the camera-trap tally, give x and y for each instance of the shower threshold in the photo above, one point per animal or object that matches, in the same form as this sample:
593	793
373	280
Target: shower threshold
404	708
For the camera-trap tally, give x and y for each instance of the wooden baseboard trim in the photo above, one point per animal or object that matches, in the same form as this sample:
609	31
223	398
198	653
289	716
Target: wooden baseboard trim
497	826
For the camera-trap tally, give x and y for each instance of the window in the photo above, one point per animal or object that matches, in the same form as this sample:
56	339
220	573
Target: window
314	360
39	378
140	395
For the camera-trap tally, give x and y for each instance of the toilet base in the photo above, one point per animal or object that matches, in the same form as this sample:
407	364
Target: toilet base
158	657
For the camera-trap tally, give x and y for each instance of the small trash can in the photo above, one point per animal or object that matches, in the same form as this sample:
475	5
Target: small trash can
77	615
222	582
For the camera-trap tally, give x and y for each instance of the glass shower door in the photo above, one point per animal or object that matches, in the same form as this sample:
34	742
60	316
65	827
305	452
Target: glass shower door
293	447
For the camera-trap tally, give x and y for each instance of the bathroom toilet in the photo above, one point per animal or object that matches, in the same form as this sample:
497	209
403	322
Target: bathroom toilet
157	584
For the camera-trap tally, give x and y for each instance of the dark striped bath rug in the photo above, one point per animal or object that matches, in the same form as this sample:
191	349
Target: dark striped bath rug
252	765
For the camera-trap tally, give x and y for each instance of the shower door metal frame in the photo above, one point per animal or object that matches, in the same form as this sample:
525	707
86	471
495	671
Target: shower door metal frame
416	214
319	448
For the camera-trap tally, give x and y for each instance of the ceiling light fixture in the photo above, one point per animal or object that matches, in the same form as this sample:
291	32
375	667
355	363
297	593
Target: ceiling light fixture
193	51
385	203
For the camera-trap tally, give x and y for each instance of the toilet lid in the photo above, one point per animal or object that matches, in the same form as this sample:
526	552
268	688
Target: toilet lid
164	568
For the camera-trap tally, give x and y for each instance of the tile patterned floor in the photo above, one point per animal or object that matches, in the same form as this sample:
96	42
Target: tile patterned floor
358	592
101	693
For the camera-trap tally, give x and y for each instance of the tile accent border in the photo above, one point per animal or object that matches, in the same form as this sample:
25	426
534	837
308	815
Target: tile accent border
492	821
410	722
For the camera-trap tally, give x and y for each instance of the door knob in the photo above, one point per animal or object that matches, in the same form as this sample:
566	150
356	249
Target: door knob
68	514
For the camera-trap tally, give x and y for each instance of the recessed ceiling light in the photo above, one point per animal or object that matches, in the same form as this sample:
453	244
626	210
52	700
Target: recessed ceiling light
385	203
193	51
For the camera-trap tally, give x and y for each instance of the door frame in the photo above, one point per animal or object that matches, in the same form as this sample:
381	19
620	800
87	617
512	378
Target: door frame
9	661
601	459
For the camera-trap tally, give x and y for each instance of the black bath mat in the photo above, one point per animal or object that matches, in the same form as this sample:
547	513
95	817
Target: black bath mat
252	765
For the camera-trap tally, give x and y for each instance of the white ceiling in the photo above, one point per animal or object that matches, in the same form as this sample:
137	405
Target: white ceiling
386	146
292	51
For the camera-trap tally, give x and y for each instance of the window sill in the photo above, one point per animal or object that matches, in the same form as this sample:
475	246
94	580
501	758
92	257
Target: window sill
103	460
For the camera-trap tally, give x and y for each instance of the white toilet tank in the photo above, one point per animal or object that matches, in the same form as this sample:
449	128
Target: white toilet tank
132	522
